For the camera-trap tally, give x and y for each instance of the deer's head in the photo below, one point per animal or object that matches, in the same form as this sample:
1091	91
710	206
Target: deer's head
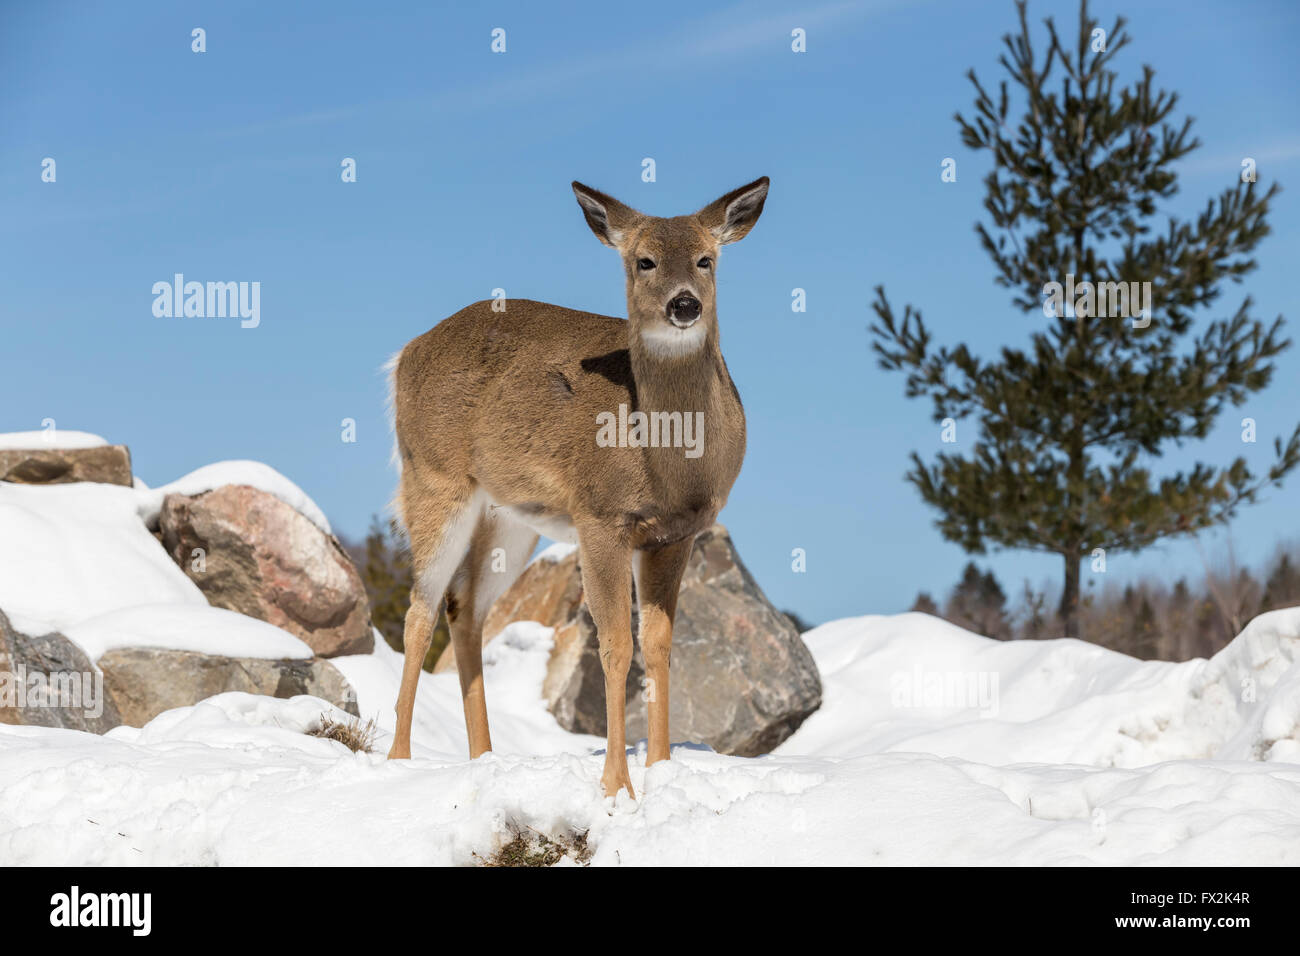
671	263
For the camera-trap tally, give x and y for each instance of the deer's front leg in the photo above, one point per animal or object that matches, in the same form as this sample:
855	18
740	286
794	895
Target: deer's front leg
606	581
658	580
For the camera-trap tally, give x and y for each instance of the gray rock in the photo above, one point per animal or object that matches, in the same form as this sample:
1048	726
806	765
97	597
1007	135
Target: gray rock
262	558
109	464
574	687
145	681
741	679
48	681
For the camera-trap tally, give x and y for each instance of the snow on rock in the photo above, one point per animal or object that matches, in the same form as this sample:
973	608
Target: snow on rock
75	551
75	554
51	438
253	473
185	627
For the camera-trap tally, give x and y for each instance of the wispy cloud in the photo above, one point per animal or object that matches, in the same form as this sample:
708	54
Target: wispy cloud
707	44
1282	153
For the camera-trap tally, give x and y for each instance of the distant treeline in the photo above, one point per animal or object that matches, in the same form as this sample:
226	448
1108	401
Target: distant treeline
1146	618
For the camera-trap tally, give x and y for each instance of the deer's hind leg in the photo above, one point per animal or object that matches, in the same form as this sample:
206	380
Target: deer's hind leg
498	550
440	516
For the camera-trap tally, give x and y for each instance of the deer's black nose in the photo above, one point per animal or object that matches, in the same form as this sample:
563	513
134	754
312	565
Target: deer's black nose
684	309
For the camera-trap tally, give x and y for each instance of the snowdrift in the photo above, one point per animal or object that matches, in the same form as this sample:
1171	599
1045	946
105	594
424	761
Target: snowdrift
917	683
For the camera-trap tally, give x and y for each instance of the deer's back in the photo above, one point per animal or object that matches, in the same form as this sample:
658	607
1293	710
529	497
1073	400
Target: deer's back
511	399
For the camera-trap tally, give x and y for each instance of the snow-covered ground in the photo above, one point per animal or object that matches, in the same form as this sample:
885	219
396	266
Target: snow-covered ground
934	745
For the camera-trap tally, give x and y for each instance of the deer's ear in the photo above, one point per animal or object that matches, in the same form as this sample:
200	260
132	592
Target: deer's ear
608	218
731	217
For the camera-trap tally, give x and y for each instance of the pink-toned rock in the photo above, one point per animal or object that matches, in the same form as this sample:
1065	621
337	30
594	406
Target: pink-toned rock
250	552
548	591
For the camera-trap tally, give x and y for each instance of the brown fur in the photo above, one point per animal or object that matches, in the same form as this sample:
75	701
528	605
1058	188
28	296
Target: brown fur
496	421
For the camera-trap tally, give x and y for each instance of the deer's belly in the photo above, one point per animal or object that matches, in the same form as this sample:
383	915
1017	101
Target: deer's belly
557	527
647	528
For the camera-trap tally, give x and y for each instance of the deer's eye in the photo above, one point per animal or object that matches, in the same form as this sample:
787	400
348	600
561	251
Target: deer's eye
645	265
705	263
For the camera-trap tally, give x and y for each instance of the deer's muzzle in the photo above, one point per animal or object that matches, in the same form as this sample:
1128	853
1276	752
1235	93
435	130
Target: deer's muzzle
683	310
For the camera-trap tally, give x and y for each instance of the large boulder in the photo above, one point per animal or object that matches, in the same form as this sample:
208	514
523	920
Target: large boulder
145	681
48	681
109	464
741	679
250	552
548	591
574	687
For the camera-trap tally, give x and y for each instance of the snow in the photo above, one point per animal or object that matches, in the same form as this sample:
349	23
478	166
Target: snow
185	627
79	558
933	746
515	659
235	781
556	552
76	551
50	438
254	473
1059	701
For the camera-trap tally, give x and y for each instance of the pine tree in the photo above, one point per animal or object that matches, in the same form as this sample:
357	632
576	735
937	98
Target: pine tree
1179	619
924	604
978	604
1032	617
1283	586
386	573
1068	426
1144	636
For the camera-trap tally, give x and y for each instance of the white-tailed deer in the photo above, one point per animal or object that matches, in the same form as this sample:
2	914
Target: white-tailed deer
499	428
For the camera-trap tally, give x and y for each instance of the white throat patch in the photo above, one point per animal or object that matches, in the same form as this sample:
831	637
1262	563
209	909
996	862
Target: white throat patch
666	340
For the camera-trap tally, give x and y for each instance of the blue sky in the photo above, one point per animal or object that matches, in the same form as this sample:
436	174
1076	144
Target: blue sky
225	165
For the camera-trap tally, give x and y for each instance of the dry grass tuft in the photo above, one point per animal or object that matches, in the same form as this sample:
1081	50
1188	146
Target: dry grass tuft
356	736
530	847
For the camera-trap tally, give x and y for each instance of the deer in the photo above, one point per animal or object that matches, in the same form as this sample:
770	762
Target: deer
496	416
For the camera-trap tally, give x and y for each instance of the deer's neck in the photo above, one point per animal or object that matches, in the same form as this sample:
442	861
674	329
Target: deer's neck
687	481
686	382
